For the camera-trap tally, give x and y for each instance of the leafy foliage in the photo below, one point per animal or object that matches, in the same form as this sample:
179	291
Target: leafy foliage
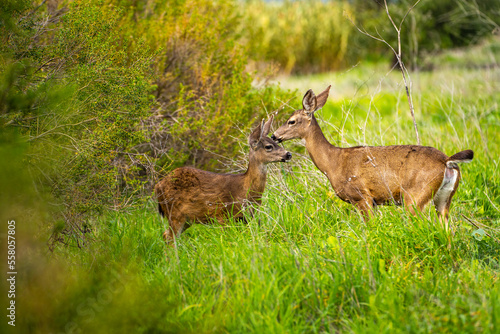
201	79
78	99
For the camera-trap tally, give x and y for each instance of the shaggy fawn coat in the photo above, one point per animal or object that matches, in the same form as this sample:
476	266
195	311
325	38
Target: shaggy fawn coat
188	195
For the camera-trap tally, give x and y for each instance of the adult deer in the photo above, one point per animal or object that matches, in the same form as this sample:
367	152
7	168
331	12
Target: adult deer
367	176
189	195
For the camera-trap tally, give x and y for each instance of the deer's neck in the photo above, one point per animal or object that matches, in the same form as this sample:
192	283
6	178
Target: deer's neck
255	177
324	155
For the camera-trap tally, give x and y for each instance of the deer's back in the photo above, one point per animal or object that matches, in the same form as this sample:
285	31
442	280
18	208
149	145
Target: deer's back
192	194
398	158
386	173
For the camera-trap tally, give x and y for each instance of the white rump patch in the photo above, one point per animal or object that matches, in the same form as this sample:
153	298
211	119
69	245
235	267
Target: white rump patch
446	188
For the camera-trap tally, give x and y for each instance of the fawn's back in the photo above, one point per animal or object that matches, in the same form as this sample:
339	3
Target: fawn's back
197	195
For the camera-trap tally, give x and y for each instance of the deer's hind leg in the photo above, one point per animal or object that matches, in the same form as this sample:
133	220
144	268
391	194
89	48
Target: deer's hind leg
442	198
415	203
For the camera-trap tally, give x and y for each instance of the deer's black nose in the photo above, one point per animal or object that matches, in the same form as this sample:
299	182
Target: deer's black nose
288	156
273	137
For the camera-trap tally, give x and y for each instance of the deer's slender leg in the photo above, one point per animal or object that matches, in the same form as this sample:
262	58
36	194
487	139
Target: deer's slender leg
365	205
416	200
414	206
168	235
175	228
442	208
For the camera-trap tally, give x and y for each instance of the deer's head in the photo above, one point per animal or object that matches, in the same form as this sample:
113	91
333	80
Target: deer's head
297	126
263	148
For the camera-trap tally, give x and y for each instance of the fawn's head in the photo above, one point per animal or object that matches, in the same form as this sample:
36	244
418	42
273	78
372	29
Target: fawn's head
263	148
298	124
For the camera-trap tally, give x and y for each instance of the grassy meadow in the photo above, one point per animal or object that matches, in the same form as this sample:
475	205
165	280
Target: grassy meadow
307	262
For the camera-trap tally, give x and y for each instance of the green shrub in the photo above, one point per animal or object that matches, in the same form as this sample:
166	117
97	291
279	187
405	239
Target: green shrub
78	100
206	101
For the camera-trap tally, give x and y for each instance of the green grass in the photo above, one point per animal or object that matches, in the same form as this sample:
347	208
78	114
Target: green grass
307	262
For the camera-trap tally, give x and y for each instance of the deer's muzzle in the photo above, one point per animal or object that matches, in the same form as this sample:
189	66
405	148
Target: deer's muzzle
273	137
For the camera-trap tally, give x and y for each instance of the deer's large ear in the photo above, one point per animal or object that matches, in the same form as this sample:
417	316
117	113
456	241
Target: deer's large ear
254	137
266	127
309	102
321	98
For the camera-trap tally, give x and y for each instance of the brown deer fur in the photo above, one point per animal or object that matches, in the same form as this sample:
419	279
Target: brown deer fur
189	195
367	176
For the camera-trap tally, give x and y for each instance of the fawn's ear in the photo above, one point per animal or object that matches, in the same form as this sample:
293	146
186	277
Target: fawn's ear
254	137
266	127
321	98
309	103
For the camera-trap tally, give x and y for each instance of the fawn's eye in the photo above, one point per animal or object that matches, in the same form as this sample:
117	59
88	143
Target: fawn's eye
291	122
269	148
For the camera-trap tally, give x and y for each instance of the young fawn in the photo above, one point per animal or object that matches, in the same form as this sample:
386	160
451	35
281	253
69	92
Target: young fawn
367	176
189	195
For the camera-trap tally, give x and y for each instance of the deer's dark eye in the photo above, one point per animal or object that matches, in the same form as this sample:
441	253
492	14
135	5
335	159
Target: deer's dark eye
269	148
291	122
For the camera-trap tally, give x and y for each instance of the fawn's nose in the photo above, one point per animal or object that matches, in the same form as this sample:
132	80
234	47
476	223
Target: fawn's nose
288	156
273	137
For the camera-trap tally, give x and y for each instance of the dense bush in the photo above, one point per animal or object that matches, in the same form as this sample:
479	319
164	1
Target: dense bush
204	93
81	99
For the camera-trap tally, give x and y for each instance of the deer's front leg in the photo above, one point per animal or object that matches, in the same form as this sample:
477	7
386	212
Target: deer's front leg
174	230
365	205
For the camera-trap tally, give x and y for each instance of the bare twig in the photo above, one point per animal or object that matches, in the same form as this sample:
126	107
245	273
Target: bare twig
475	225
402	67
51	131
398	53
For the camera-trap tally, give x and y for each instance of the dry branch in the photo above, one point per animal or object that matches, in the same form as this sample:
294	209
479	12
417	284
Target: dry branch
404	71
